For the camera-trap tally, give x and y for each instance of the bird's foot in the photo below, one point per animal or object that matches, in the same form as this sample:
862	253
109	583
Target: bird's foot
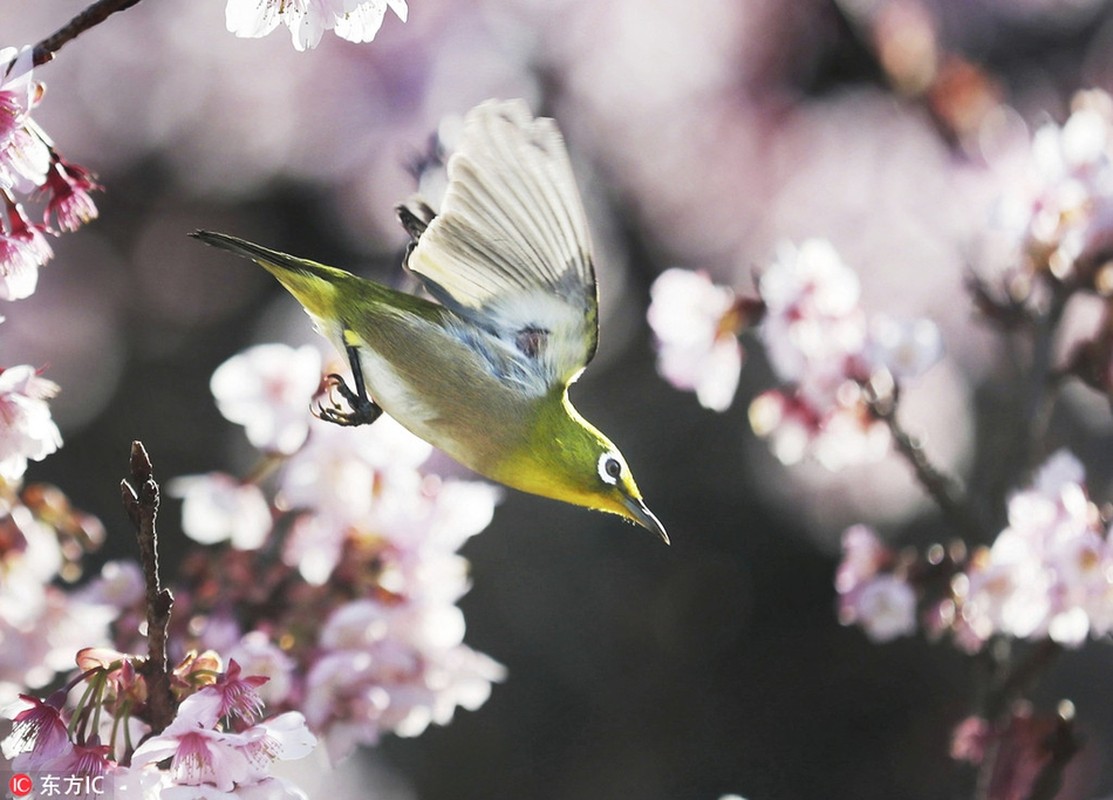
362	410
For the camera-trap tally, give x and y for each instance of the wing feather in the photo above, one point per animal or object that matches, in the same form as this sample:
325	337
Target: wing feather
510	249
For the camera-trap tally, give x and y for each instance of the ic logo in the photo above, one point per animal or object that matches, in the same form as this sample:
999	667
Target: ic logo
20	784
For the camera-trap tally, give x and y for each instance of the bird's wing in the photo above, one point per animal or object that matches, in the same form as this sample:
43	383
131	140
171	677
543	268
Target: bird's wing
509	250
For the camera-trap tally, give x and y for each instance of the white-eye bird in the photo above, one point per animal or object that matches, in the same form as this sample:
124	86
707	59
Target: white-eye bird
482	374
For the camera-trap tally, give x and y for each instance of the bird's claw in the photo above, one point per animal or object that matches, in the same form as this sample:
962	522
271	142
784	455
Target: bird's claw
363	411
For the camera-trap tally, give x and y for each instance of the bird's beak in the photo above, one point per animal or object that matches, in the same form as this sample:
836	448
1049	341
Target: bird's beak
639	513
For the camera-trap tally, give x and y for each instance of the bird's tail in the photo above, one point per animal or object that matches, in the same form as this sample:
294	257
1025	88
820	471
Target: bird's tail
314	285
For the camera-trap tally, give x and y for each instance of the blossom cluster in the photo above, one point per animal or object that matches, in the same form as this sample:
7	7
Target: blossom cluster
1047	575
329	601
833	359
364	595
216	745
353	20
30	165
1044	581
42	541
27	430
1059	208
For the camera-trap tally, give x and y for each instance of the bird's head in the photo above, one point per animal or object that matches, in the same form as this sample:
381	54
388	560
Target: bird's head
568	459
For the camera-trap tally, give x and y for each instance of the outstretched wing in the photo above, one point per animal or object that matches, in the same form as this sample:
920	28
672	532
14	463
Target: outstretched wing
509	250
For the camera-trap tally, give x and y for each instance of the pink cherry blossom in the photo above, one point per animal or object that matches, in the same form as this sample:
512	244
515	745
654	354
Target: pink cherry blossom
260	656
26	428
218	761
845	434
1058	201
38	733
814	330
881	602
24	155
696	326
349	480
392	668
281	738
268	389
235	695
77	767
1048	573
361	23
199	754
905	348
70	203
217	507
23	249
17	90
119	584
863	556
885	608
41	625
308	20
826	350
24	161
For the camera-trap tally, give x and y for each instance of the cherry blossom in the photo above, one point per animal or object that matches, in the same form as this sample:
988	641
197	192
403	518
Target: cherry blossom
906	348
267	389
825	347
38	732
347	478
814	330
819	341
696	324
308	20
199	753
17	90
119	584
881	602
362	519
235	695
217	507
202	755
392	667
1047	573
30	165
261	657
27	430
70	202
23	249
23	155
1059	208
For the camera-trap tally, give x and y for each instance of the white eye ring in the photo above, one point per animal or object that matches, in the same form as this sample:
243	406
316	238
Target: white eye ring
610	468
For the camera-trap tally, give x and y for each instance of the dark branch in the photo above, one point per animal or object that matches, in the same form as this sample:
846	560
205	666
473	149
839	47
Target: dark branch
943	489
140	498
92	16
1062	745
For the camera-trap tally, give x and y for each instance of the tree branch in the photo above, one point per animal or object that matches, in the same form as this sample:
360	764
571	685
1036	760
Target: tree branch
92	16
943	489
140	498
1062	745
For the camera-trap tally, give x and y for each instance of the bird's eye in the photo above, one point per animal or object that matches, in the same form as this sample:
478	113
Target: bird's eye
610	468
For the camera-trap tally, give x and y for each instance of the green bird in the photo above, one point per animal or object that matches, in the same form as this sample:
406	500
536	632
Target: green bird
483	373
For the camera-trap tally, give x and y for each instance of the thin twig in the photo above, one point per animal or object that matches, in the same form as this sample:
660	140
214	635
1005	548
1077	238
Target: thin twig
92	16
1008	688
943	489
1039	400
140	498
1062	745
1020	680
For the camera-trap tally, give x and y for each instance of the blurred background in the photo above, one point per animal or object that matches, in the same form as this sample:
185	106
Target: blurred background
703	133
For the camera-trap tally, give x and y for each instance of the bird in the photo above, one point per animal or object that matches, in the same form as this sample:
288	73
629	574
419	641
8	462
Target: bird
481	367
